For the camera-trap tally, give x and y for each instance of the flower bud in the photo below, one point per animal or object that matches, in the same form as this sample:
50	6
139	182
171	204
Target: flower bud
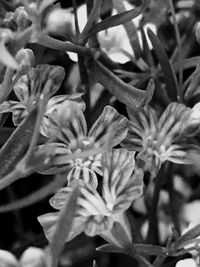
197	31
60	21
21	18
33	257
7	259
26	60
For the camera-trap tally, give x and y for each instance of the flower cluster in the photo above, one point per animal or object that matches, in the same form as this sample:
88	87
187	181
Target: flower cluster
97	213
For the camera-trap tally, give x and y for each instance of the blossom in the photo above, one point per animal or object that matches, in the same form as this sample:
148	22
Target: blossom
69	128
43	78
158	139
29	88
98	214
186	263
31	257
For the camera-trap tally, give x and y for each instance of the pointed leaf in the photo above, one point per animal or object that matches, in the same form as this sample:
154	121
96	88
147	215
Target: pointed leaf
129	95
14	148
189	235
108	248
168	72
117	19
63	226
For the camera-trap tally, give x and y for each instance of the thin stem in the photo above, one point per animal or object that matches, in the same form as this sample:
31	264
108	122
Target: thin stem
180	59
75	17
153	235
50	42
159	260
85	83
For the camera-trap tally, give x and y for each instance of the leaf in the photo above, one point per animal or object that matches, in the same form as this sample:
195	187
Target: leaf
150	250
118	19
63	227
131	30
131	96
14	148
189	235
108	248
168	72
6	58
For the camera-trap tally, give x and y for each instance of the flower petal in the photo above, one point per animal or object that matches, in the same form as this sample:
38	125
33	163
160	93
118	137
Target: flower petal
109	118
55	106
58	153
18	110
48	222
120	188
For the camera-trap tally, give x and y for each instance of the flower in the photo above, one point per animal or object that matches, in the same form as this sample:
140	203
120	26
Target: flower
186	263
70	129
31	257
156	139
29	88
100	214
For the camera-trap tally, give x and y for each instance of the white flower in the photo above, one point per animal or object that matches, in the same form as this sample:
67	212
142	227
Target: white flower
186	263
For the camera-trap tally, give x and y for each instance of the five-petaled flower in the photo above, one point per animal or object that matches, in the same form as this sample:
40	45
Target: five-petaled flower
158	139
101	214
73	145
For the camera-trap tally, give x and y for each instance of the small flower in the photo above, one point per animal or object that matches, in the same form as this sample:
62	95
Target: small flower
98	214
156	139
29	88
70	129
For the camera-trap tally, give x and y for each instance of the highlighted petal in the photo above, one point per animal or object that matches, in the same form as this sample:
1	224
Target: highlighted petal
120	188
109	118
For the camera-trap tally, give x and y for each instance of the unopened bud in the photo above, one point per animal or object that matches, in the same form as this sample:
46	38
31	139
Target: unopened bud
33	257
60	21
26	60
7	259
197	31
21	18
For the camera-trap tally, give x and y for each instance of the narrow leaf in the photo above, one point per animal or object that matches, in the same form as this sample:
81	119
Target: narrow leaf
189	235
127	94
15	147
63	227
150	250
168	72
116	20
108	248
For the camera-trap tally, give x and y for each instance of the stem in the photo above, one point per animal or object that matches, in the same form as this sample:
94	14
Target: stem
50	42
85	83
180	59
75	17
153	233
159	260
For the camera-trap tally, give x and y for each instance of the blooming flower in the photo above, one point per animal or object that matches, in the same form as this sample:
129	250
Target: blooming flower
156	139
70	130
97	214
